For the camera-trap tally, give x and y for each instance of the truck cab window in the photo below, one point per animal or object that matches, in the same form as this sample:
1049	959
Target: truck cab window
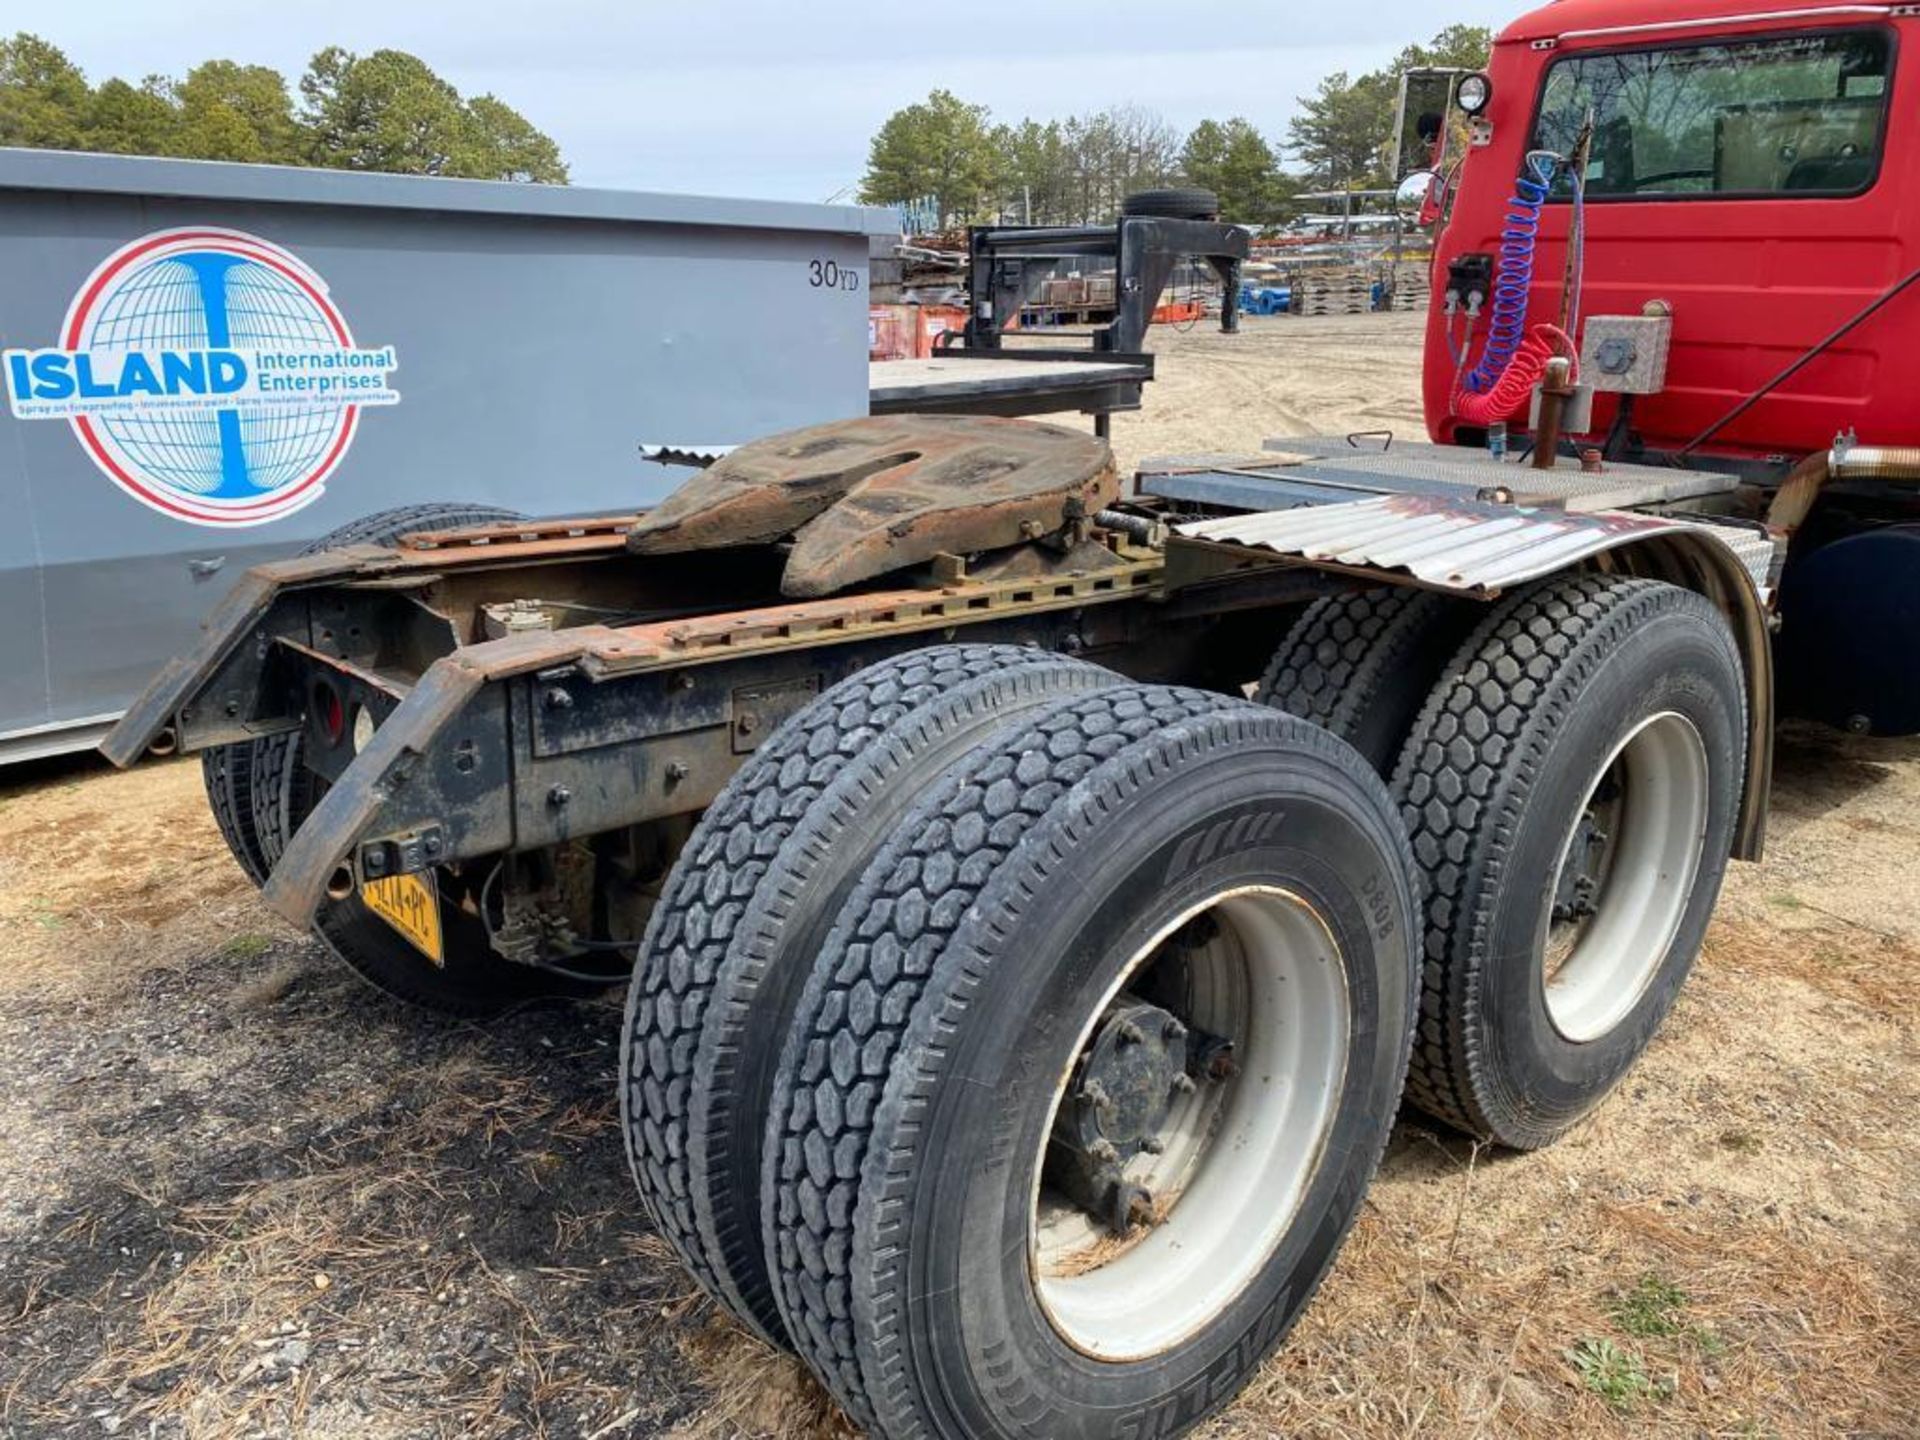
1796	115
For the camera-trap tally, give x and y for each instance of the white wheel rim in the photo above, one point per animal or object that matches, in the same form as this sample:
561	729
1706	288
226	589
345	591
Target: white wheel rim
1594	971
1239	1153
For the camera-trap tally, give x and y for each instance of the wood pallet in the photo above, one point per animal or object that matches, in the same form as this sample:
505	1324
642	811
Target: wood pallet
1334	292
1409	291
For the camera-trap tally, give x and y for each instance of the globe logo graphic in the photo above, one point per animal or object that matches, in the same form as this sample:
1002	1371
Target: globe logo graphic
205	290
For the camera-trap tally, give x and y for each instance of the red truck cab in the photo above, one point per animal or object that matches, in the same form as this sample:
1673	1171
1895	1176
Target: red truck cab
1756	167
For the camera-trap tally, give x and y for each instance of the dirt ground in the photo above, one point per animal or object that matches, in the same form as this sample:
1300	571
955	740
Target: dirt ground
242	1195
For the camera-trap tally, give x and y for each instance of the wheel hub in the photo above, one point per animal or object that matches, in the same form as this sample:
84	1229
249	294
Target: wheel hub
1135	1248
1573	897
1128	1079
1625	877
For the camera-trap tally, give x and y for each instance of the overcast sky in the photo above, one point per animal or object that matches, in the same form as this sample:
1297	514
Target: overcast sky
778	100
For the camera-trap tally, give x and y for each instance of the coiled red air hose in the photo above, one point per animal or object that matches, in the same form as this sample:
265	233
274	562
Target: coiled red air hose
1523	371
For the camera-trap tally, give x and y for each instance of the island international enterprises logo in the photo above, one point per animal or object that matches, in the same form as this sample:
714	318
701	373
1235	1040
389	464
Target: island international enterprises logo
208	374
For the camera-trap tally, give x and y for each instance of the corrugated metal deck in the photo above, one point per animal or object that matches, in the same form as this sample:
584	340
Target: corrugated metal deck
1466	545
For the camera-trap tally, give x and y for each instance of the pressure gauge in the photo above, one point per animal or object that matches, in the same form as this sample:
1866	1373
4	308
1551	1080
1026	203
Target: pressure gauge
1473	93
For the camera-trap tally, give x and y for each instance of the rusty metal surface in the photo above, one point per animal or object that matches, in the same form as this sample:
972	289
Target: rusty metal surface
864	497
182	678
1463	545
416	559
299	882
402	777
826	621
235	622
518	539
607	650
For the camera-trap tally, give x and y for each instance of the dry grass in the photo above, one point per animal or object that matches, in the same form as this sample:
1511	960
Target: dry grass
1780	1335
1836	956
103	873
353	1293
755	1393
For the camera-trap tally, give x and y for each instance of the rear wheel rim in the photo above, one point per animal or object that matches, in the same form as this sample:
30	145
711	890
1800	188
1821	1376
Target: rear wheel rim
1240	1151
1635	847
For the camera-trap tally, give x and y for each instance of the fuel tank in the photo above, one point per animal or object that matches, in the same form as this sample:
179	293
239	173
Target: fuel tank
1850	632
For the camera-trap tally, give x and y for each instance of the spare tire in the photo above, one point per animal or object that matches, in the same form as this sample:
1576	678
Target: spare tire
1173	203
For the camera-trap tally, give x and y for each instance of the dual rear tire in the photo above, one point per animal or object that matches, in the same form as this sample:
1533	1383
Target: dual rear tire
1569	765
1031	1041
1016	1043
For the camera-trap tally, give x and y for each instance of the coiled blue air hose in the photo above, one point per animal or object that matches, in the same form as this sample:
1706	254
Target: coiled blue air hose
1513	275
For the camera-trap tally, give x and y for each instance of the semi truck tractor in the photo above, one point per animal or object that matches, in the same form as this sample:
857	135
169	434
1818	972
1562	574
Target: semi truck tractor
1038	888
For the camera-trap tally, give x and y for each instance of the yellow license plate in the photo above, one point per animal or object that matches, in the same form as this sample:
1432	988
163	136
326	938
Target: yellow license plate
411	905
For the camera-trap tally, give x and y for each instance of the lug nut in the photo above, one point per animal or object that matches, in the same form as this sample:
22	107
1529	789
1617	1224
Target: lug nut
1095	1094
1152	1145
1131	1034
1173	1030
1183	1085
1103	1151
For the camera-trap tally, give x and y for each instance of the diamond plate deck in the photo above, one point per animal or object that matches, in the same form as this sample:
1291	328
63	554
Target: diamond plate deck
1305	470
1416	468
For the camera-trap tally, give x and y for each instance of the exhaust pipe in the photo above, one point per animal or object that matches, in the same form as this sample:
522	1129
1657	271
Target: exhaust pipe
1875	462
1794	500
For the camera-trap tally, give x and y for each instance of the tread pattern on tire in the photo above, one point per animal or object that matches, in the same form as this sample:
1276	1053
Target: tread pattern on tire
227	771
1492	716
1176	201
1332	663
282	793
907	906
848	819
709	891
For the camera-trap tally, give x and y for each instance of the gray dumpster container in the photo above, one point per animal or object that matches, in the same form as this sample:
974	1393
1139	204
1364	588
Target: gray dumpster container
209	365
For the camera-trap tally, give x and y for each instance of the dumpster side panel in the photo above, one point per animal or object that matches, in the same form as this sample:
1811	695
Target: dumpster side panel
533	350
